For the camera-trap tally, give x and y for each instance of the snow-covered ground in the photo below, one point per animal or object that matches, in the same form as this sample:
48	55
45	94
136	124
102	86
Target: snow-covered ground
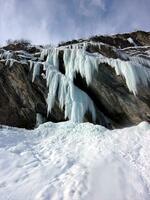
75	161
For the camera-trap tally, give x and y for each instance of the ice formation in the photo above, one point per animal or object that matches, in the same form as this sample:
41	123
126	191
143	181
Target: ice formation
135	71
72	100
78	60
52	56
36	69
75	102
6	55
10	62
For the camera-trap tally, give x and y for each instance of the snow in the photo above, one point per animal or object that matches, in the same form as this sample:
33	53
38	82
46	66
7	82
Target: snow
75	162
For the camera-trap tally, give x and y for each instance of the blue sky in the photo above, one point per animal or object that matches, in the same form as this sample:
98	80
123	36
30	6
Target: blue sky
52	21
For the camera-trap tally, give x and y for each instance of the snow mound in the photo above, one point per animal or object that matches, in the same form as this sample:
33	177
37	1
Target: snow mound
75	162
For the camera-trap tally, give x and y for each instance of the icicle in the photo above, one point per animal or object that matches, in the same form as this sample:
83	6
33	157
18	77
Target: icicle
53	85
78	60
44	53
52	58
31	64
36	70
7	62
10	62
133	71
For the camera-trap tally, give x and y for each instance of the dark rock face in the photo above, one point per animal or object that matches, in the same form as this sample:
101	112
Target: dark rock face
21	99
116	102
112	97
16	98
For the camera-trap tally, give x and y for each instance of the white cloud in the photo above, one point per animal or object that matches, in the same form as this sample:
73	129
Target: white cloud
100	3
45	21
29	21
87	7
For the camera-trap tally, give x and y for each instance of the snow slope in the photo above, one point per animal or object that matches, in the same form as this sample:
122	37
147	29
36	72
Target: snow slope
75	161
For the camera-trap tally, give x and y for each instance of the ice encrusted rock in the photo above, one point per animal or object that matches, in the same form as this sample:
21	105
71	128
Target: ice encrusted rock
135	71
6	55
100	70
77	60
10	62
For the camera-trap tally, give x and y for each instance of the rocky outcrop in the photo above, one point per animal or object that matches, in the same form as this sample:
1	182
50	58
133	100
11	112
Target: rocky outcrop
141	38
116	106
20	99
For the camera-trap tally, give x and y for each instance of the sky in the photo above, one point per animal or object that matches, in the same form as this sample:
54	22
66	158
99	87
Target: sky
54	21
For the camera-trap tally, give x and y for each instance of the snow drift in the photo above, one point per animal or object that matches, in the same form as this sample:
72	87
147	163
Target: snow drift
75	161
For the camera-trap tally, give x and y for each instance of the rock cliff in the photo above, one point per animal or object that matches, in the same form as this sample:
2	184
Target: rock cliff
103	79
